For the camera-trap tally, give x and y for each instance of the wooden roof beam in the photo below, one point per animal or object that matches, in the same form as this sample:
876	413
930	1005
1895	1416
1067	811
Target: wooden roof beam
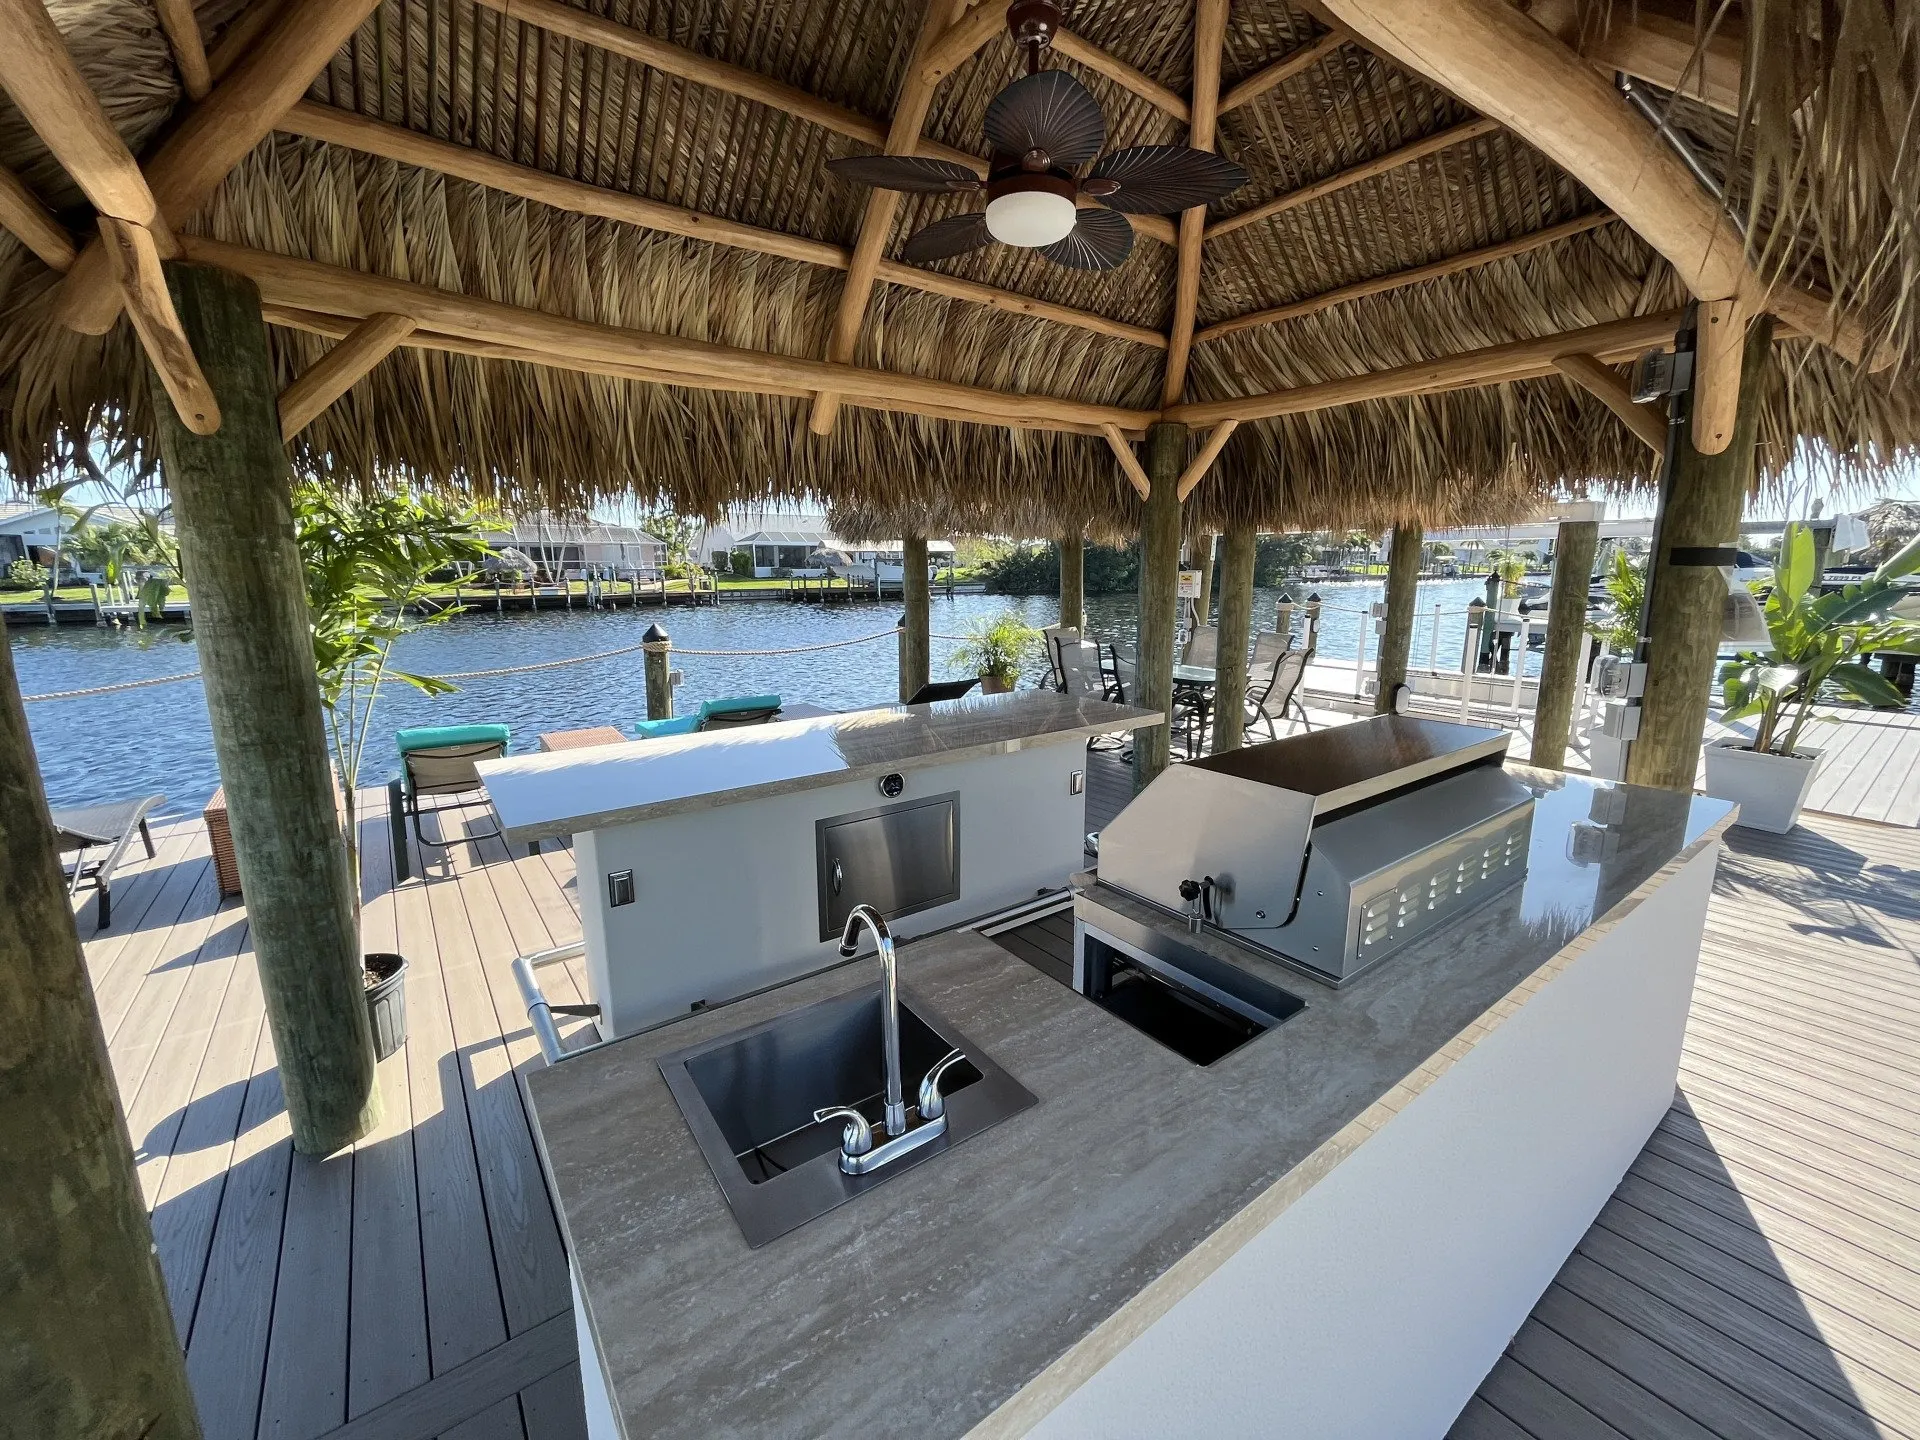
393	142
937	25
218	133
1655	41
1129	462
1085	53
340	369
1284	69
1209	36
1492	365
1353	175
1196	471
582	344
189	50
1401	279
1603	382
338	327
38	71
33	225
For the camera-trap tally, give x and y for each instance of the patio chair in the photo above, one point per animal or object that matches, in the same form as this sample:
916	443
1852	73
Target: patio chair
1276	689
1052	637
110	828
934	691
1116	671
1203	646
738	710
439	760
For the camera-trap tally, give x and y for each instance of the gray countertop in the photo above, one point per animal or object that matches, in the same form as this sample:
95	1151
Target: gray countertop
549	796
930	1301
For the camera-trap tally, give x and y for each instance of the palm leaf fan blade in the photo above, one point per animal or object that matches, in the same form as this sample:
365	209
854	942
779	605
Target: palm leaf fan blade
946	238
917	174
1166	179
1099	240
1050	112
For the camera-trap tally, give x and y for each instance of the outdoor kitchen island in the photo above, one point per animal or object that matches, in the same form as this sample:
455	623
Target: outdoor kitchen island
1330	1231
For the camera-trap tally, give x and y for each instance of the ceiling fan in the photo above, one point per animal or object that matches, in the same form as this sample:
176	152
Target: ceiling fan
1041	129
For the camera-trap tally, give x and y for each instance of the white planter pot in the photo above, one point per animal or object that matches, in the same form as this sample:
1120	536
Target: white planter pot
1769	789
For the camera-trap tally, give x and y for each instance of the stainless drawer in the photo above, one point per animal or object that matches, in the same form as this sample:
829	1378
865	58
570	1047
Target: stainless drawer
897	858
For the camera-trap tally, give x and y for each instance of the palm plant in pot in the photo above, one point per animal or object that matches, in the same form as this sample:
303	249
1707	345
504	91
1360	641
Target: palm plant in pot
369	559
995	649
1818	644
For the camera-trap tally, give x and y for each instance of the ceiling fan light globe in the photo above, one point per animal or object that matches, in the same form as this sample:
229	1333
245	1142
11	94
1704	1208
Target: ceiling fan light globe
1030	218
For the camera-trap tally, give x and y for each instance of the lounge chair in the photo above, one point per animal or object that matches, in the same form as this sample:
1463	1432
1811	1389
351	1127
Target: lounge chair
110	828
738	710
439	760
934	691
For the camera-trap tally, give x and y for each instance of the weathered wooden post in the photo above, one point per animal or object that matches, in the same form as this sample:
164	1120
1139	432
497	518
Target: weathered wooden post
1575	545
1236	635
1203	562
656	650
1073	582
87	1345
1283	612
1700	506
1396	639
1312	609
1159	596
232	498
916	644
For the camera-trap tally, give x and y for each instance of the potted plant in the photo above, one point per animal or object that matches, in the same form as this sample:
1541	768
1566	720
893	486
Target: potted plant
1816	642
995	649
367	560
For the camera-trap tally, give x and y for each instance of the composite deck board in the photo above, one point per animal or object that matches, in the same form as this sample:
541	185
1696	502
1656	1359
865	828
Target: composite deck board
1756	1273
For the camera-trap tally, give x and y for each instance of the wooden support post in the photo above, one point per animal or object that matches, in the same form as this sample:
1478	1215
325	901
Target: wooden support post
1237	549
231	494
1203	562
656	648
1396	640
915	643
87	1344
1073	582
1159	597
1700	504
1574	548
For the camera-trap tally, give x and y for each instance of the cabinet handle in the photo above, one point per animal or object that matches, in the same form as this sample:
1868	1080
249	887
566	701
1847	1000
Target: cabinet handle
836	877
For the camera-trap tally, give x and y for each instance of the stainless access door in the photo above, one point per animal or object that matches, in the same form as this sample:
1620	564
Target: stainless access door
897	858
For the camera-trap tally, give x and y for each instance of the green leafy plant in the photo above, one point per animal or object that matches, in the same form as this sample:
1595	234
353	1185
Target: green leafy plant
996	648
25	574
1817	642
1626	584
367	560
1511	567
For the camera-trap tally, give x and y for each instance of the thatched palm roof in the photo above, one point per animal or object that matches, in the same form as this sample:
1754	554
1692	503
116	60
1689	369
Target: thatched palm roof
1331	210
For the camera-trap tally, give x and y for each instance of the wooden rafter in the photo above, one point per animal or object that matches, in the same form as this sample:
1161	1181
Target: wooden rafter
1353	175
1129	462
189	50
218	133
341	368
1492	365
580	344
1198	467
38	72
1283	69
903	137
33	225
1209	34
375	137
1400	279
1603	382
1655	40
958	43
1072	47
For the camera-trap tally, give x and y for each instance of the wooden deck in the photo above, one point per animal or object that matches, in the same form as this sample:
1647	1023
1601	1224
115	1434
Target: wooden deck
1757	1274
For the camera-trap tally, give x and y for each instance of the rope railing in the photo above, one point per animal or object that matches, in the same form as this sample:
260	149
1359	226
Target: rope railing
110	689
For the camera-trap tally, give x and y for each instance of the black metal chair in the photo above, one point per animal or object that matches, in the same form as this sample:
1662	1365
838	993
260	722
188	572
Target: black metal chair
109	828
1277	689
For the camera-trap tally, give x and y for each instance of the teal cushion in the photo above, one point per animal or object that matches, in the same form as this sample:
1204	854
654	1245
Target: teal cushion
656	729
736	703
432	737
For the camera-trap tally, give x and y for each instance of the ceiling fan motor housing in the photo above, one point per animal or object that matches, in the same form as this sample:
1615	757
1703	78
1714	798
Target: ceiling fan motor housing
1033	22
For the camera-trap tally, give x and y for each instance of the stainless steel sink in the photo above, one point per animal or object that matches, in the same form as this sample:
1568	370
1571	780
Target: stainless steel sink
749	1099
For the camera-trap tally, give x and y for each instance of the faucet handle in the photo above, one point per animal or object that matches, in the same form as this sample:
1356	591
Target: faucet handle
857	1138
932	1103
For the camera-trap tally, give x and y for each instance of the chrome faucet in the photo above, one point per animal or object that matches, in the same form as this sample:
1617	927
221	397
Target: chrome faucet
896	1112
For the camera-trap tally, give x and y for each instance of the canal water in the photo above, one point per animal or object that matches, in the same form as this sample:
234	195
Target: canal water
158	739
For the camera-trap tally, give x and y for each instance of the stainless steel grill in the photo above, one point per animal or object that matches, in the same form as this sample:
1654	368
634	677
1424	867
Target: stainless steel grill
1333	849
